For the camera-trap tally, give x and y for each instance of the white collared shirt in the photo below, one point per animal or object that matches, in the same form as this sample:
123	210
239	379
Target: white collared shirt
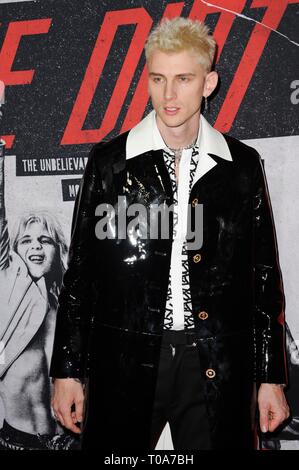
145	137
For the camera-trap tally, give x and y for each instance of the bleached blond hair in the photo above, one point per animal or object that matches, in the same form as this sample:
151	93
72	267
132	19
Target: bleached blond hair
179	34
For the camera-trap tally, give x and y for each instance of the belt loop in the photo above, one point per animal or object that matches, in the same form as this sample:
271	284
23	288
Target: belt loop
172	350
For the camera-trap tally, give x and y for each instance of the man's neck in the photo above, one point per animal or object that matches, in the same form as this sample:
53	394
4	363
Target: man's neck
181	136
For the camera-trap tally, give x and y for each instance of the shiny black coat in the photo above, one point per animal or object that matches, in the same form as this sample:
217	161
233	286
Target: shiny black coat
112	303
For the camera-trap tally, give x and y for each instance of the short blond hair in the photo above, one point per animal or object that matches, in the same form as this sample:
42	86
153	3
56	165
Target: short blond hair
179	34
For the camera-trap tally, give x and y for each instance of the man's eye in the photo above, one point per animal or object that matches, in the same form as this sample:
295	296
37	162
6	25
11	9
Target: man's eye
183	79
46	241
157	79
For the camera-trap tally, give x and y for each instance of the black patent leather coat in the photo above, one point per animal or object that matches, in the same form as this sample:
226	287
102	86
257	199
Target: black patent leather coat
112	303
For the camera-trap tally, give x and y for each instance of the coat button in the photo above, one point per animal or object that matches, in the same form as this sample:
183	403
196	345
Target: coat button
210	373
197	258
194	202
203	315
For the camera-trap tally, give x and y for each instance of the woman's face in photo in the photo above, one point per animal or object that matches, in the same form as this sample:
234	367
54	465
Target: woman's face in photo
37	249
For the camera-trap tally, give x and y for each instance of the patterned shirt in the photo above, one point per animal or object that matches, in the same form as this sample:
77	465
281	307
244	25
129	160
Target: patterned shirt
178	314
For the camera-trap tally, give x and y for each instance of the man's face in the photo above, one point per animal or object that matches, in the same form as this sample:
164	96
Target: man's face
177	83
37	249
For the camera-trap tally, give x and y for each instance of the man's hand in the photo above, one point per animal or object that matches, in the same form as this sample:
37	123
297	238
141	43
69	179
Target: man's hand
273	406
68	392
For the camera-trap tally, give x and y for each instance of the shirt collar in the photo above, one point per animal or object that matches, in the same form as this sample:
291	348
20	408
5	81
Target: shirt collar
146	137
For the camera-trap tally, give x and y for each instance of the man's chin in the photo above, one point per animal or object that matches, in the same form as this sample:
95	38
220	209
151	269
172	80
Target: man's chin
172	121
36	273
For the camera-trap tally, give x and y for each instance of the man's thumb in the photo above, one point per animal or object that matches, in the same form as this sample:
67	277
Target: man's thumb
264	420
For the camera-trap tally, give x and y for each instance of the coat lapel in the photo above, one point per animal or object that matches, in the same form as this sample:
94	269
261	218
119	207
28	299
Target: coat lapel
145	137
211	144
205	164
162	173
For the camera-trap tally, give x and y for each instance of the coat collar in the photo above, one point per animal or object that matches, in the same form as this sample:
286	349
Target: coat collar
146	137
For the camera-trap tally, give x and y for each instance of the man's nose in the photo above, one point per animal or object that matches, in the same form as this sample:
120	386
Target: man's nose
36	245
169	91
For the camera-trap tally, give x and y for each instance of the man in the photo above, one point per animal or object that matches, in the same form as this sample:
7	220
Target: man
163	330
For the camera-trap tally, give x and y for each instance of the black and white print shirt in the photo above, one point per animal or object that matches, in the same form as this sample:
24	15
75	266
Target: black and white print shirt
178	314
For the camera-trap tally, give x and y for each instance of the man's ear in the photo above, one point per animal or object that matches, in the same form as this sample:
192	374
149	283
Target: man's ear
210	84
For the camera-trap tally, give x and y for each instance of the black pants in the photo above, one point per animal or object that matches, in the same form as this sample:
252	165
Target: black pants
179	395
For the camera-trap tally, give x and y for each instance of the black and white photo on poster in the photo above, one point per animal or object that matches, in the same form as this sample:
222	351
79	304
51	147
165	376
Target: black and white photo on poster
287	436
33	252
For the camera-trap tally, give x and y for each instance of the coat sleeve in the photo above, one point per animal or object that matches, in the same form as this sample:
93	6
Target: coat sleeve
75	302
269	302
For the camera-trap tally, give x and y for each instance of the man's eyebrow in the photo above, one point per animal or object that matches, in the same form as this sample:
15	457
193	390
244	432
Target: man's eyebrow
185	74
178	75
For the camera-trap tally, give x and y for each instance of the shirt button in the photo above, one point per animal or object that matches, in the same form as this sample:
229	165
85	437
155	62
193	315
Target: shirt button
197	258
203	315
210	373
194	202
